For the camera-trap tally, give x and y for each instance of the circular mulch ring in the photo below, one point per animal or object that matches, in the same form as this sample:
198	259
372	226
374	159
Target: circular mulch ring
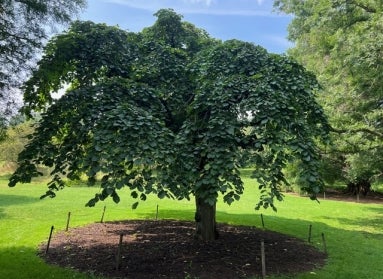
167	249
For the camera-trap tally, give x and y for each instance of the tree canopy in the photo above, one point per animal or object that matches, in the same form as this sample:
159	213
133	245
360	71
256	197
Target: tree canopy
172	112
341	42
24	28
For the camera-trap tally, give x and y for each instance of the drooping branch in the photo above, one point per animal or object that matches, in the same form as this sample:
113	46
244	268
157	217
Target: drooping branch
355	131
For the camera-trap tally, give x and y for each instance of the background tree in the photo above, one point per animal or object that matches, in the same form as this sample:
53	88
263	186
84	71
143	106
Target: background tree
14	143
341	42
24	27
170	111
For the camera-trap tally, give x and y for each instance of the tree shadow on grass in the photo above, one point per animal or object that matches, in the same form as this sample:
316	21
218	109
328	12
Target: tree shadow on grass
167	249
22	262
369	225
11	200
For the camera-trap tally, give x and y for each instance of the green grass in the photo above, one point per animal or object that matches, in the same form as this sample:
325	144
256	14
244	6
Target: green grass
354	232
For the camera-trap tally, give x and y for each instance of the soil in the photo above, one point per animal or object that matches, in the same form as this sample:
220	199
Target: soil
167	249
341	195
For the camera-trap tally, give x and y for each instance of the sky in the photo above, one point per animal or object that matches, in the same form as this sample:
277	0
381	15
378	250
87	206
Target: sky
247	20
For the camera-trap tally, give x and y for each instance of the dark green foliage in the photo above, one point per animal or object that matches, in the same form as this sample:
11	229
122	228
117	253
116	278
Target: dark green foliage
170	111
341	42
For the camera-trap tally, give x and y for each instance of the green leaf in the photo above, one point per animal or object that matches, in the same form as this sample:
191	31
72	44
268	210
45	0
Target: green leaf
115	197
134	205
134	195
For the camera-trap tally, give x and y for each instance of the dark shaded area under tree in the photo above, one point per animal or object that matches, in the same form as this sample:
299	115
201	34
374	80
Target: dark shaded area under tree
167	249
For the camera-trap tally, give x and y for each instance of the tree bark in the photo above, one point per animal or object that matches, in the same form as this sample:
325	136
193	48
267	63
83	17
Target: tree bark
205	220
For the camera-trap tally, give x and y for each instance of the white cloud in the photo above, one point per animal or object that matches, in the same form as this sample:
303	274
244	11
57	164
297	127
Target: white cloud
205	2
138	4
213	7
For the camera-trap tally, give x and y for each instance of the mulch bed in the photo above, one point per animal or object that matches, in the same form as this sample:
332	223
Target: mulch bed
167	249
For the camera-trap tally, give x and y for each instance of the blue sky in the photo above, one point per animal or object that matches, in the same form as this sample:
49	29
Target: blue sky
247	20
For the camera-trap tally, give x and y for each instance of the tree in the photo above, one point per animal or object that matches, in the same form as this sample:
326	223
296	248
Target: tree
341	42
24	27
15	141
170	111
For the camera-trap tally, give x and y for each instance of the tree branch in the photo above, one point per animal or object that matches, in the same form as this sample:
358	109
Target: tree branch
365	7
170	117
355	131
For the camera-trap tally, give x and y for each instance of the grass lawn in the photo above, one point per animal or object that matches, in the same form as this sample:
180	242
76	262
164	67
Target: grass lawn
354	232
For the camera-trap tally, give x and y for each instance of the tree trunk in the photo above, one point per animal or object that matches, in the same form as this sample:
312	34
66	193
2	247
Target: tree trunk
205	220
360	186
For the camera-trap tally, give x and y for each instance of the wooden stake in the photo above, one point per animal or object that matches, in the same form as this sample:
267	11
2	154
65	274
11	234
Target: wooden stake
157	213
67	222
310	229
263	257
118	260
103	213
49	240
263	223
324	243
